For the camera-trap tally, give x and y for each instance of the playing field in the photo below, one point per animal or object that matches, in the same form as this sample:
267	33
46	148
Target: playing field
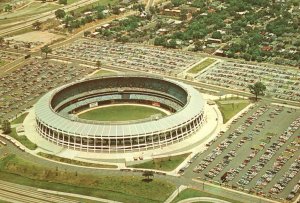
120	113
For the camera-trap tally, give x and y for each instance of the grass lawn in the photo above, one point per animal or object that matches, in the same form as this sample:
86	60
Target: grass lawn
164	164
80	200
120	188
120	113
190	193
201	66
2	63
231	107
20	119
23	139
75	162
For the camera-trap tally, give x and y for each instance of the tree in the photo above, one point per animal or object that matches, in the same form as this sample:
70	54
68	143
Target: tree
46	49
37	25
100	15
6	128
160	41
1	41
183	14
257	89
8	8
216	35
63	2
139	7
198	45
60	13
86	33
115	10
148	174
177	2
88	19
75	24
172	44
153	10
68	19
98	64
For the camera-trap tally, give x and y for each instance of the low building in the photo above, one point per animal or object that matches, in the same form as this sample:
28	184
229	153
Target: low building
172	12
213	40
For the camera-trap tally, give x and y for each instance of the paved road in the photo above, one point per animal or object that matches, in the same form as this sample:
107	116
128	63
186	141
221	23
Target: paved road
23	194
43	17
202	199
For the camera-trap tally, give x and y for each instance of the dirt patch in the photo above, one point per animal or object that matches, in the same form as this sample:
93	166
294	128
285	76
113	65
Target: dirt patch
36	37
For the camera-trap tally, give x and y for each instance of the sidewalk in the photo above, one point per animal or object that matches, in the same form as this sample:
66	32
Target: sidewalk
203	199
175	193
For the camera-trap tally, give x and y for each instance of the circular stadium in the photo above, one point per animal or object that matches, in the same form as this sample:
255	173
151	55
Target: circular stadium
179	113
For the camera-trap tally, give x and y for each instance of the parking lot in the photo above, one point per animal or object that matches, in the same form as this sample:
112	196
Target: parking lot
132	56
259	154
21	88
8	57
281	83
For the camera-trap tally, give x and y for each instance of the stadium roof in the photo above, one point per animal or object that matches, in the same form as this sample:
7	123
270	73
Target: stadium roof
50	118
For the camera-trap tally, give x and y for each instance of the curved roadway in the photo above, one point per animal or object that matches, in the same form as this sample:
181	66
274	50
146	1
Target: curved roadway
203	199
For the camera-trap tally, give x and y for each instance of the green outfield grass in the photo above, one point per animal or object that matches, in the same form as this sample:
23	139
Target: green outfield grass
201	65
120	113
190	193
124	188
164	164
231	107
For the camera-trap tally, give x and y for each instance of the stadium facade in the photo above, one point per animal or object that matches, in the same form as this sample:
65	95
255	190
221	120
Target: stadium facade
57	122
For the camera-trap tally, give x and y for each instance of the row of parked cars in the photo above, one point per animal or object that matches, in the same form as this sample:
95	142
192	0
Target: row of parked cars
227	141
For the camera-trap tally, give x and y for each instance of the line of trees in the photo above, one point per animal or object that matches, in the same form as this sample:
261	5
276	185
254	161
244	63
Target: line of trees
6	127
8	8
